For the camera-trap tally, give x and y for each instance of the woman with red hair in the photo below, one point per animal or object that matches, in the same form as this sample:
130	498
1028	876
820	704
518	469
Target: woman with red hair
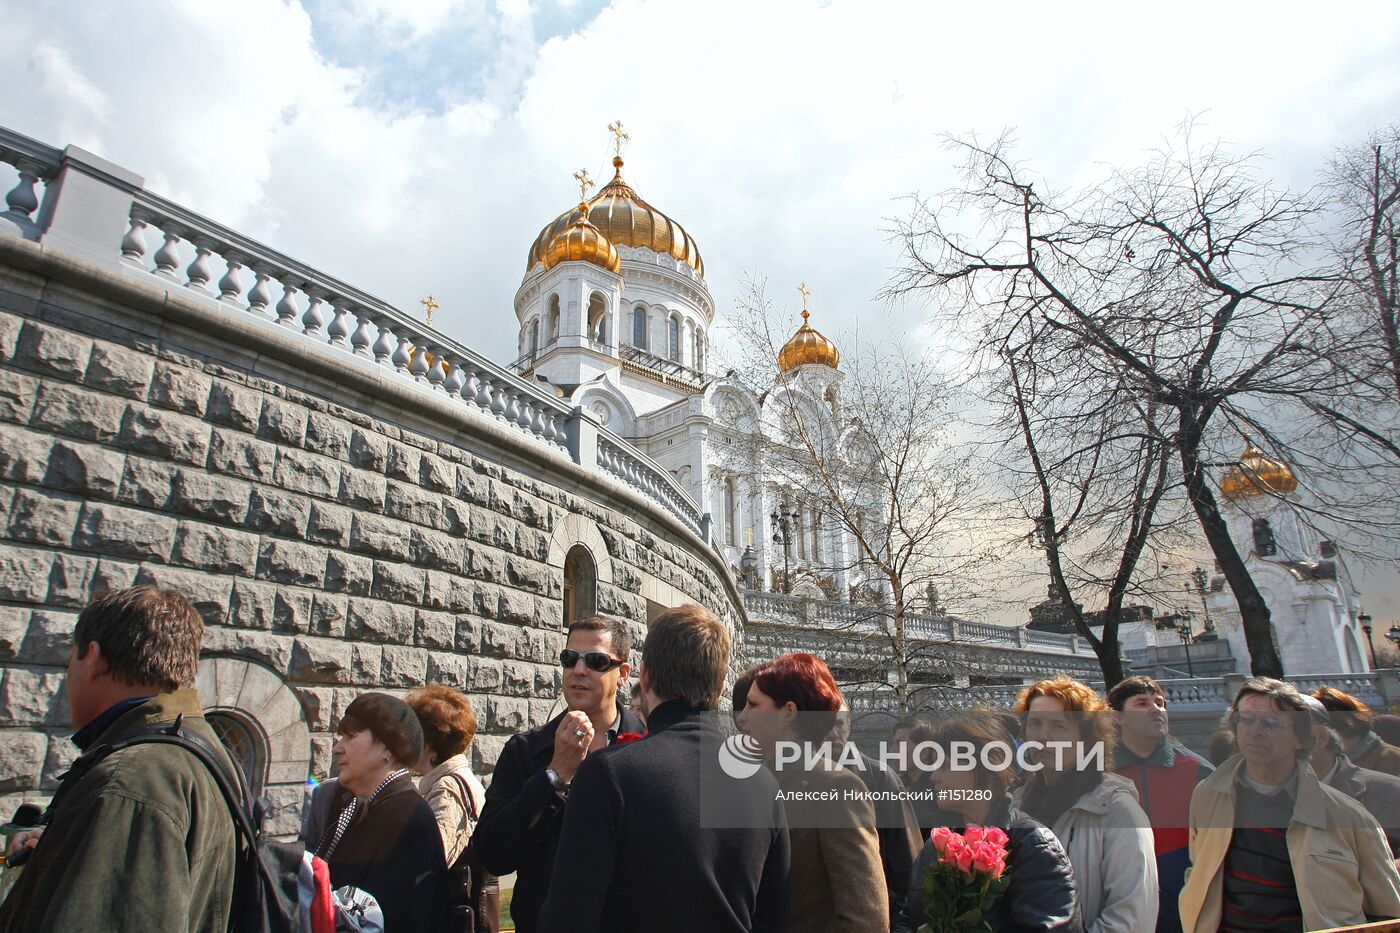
836	878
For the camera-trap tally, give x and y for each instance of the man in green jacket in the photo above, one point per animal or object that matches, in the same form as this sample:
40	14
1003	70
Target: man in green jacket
142	839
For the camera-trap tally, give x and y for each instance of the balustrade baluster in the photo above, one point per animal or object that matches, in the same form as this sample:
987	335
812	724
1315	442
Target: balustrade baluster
387	343
231	285
339	329
134	243
483	393
403	355
22	199
199	272
168	256
456	378
498	401
360	339
438	374
260	296
470	384
418	365
287	308
523	416
537	421
314	318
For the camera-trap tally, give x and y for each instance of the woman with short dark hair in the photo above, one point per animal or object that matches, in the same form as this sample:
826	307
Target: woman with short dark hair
371	825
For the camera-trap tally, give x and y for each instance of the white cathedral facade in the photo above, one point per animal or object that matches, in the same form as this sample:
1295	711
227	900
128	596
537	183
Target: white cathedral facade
615	316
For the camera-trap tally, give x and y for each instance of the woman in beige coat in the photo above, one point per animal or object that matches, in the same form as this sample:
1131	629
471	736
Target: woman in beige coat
837	880
447	783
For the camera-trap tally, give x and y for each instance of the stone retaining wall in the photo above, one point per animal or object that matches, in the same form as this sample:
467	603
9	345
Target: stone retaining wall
338	528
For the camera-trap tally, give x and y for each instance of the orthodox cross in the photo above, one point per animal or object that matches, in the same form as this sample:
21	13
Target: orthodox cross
619	137
585	183
750	541
430	305
806	293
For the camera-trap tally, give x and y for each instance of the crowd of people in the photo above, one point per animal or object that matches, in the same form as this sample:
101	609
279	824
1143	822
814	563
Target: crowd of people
599	813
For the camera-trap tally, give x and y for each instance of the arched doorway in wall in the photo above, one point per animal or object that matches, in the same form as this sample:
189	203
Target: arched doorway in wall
580	584
246	743
1355	663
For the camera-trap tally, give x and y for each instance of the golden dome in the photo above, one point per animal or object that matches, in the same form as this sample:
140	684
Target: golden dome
581	241
807	346
625	219
1257	475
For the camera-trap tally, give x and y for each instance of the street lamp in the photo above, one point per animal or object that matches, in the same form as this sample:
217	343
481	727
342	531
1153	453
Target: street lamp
1392	635
1365	620
1183	629
786	527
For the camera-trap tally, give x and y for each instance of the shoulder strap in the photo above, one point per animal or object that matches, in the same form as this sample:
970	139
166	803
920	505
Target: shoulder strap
467	793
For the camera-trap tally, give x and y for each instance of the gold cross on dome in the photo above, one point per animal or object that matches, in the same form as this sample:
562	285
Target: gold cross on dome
805	292
585	183
619	137
430	305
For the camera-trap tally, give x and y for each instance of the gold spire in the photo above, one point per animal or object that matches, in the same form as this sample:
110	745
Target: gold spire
430	305
807	345
1256	474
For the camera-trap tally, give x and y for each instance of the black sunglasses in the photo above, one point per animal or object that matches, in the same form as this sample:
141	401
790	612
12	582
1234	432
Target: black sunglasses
594	660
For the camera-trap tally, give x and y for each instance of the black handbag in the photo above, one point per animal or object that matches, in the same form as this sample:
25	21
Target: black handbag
474	895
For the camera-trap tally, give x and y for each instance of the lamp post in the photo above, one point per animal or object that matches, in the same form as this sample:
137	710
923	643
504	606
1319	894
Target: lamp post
786	525
1365	620
1392	635
1183	629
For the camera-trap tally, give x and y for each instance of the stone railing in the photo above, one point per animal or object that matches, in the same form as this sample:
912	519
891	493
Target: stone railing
103	213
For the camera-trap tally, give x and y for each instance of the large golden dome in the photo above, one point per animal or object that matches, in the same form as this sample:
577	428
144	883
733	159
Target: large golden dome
581	241
807	346
625	219
1257	475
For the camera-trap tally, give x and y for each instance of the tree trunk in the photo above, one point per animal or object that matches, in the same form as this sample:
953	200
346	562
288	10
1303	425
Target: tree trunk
901	657
1264	659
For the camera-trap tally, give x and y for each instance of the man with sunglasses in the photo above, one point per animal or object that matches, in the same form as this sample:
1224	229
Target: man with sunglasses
1272	847
519	827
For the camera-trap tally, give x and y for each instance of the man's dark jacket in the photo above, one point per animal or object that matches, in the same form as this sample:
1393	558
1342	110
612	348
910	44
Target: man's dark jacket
142	841
519	827
1378	792
1041	896
656	839
896	825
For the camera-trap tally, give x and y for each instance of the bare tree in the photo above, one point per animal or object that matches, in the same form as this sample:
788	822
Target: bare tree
877	458
1190	283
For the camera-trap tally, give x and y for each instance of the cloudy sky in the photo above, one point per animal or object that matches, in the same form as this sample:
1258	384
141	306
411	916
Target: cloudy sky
415	147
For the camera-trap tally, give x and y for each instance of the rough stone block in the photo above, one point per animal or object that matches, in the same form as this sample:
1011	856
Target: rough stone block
486	750
549	681
288	562
17	394
24	574
73	411
278	513
532	544
220	550
53	352
13	622
435	630
282	422
437	474
217	498
529	575
165	434
48	638
234	405
89	470
321	746
449	669
472	487
456	517
70	581
21	759
24	455
327	436
43	518
380	537
181	390
509	714
517	607
291	610
517	678
273	650
328	614
113	574
307	473
399	583
31	696
146	482
329	524
468	634
402	462
435	550
412	504
484	563
366	662
319	703
119	370
368	451
240	455
111	529
504	640
376	621
442	591
490	528
348	573
404	666
59	758
10	325
209	592
486	598
361	490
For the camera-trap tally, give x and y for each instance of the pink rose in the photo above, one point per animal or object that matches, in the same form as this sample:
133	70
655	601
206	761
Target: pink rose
989	859
939	837
974	834
966	856
996	837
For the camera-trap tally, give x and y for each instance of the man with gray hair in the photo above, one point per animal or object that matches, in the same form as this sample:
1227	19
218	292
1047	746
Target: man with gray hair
139	838
1272	847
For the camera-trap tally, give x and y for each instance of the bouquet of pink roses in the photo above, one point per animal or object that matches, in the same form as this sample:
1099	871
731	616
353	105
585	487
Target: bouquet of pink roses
966	880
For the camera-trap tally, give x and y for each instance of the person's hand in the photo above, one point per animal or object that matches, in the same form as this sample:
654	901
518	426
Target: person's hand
25	840
571	741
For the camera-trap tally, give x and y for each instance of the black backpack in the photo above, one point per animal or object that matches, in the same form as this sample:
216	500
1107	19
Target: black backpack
474	896
265	894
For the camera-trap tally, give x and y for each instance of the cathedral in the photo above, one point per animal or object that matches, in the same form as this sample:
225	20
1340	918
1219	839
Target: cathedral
615	317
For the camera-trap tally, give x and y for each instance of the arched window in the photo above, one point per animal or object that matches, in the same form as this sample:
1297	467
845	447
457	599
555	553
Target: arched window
1264	543
729	517
673	338
580	584
639	327
801	538
553	318
246	744
534	335
816	536
597	318
1354	660
698	362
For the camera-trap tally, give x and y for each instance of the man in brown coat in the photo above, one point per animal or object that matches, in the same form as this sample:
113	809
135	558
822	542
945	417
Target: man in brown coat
1352	720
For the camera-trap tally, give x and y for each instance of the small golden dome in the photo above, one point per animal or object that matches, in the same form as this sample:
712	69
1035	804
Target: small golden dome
807	346
581	241
625	219
1257	475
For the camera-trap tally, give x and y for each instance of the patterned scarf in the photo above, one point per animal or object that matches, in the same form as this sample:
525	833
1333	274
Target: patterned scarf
347	815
